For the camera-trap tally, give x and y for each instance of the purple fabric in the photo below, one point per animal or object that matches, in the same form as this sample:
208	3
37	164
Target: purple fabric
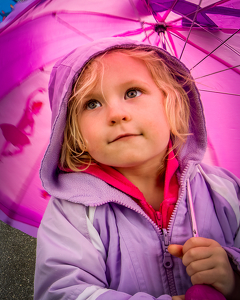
188	9
68	262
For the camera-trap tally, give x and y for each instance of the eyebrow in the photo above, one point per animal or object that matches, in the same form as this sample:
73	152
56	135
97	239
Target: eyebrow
133	82
92	93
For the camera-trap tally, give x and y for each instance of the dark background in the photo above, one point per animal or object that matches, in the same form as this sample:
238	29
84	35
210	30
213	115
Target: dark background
17	264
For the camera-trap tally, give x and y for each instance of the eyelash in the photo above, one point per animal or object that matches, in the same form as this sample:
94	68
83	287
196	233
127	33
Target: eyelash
133	89
85	106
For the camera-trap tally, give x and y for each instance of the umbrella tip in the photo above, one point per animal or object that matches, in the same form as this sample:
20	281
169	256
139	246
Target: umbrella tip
160	27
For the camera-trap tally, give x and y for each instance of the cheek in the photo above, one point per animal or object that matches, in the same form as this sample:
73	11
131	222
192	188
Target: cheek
85	128
163	120
91	137
158	121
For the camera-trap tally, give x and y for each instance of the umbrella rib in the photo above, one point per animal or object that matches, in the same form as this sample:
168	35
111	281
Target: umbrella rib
205	29
217	92
152	12
215	49
129	33
217	38
139	19
184	28
172	43
169	45
148	36
182	37
198	10
176	34
136	31
218	72
158	39
169	10
97	14
194	18
72	28
144	29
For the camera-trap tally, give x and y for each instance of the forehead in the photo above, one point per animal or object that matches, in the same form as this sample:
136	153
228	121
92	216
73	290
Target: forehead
114	68
116	62
117	68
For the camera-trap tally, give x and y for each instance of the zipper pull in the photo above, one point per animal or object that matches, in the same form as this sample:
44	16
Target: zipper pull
167	257
159	219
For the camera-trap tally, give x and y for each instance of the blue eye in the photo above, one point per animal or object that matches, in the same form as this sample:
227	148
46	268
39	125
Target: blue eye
92	104
132	93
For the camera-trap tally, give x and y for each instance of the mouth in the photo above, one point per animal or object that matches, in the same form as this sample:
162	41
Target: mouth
124	136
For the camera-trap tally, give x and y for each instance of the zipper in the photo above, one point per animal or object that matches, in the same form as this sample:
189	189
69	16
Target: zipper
168	262
165	241
165	234
167	257
183	185
166	237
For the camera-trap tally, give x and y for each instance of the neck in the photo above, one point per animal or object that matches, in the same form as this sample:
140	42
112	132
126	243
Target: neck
149	181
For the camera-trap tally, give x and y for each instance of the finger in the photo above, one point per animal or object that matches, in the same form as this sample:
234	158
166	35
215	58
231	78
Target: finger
196	254
195	242
211	277
175	250
217	255
205	277
200	266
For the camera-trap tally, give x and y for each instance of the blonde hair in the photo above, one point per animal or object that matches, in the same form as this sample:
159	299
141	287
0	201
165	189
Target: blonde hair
176	103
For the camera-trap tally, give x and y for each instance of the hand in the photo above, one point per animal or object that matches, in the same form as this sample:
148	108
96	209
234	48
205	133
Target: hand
206	263
181	297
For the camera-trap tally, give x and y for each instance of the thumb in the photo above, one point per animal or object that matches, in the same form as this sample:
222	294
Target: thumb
176	250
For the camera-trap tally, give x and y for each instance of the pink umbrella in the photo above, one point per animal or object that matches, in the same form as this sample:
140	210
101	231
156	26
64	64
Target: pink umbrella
203	34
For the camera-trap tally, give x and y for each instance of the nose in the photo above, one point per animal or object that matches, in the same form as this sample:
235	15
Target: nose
117	114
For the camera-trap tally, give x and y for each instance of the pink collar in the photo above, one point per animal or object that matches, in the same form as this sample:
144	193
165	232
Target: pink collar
117	180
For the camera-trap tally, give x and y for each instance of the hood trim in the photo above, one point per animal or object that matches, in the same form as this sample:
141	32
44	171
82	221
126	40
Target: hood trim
64	75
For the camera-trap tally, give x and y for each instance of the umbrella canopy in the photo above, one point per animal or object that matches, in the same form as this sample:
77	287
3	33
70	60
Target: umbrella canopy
202	34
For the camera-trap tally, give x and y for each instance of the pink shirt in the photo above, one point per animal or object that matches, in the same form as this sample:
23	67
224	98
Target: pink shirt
171	187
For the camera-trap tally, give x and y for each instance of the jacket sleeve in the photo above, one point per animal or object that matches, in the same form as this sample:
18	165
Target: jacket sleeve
225	190
68	266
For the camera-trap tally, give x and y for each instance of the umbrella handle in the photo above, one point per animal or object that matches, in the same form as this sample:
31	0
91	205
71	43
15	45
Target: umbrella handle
199	291
203	292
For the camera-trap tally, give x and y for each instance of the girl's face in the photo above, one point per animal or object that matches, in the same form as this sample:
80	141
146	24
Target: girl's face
123	121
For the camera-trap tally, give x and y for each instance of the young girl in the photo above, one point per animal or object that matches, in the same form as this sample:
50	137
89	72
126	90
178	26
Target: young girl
127	142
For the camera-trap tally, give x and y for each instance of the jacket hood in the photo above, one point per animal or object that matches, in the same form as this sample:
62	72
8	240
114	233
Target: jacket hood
65	74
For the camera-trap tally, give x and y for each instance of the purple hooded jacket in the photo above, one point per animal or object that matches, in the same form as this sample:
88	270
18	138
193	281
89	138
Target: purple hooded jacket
95	242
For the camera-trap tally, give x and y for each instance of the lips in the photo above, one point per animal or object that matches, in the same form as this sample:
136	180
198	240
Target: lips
121	136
